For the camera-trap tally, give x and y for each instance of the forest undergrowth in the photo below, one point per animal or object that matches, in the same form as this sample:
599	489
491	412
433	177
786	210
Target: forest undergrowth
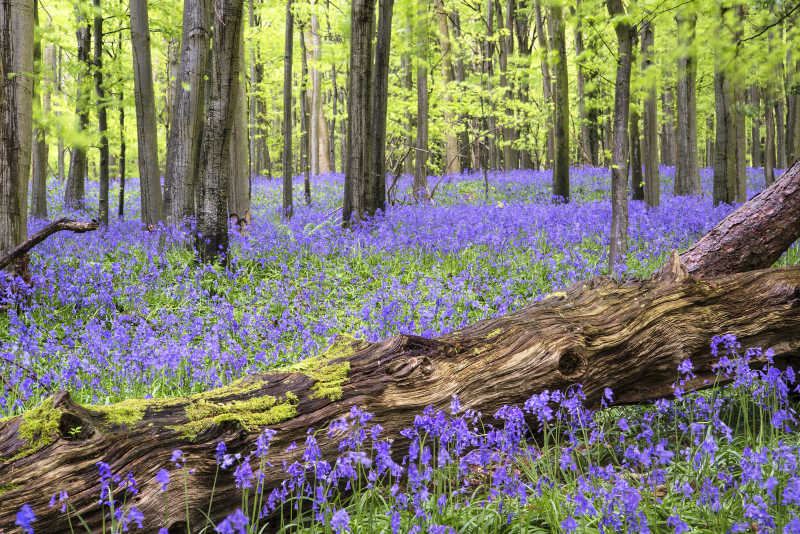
124	313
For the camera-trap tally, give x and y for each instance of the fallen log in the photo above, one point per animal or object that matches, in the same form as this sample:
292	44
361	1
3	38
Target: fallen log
754	235
55	226
625	335
604	333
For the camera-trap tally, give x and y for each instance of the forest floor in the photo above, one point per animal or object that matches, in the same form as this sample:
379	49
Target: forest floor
122	313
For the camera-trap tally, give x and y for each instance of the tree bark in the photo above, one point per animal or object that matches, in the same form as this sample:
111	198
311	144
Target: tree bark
288	203
359	187
561	101
687	171
504	47
755	126
56	226
725	140
452	163
619	155
16	118
668	148
186	129
421	161
239	174
637	178
74	189
769	137
147	134
380	99
755	235
547	86
41	106
592	334
102	114
211	240
306	144
652	179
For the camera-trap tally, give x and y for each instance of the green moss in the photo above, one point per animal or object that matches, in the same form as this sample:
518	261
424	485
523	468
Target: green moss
494	333
5	488
38	427
329	376
249	414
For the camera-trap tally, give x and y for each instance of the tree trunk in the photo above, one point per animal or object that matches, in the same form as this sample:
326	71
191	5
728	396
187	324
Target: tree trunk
150	182
421	167
211	240
186	129
74	190
591	334
306	145
452	160
505	38
725	140
122	160
561	101
41	108
61	151
288	204
584	125
637	178
652	179
769	137
16	123
619	154
380	100
668	144
102	114
780	136
359	187
239	175
755	127
547	87
488	70
687	171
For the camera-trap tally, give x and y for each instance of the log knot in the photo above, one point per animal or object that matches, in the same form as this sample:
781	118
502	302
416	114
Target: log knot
674	271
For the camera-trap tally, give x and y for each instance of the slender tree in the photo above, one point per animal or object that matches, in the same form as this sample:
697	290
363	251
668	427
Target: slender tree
147	134
619	153
41	109
547	86
561	130
74	189
421	168
452	160
102	114
380	100
652	188
288	204
211	240
687	170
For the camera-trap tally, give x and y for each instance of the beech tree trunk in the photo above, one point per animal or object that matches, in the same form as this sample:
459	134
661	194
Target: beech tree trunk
380	100
146	126
76	179
41	104
652	178
16	110
668	148
102	114
637	178
769	137
211	240
561	101
239	174
286	157
628	336
547	86
452	160
619	153
186	128
687	171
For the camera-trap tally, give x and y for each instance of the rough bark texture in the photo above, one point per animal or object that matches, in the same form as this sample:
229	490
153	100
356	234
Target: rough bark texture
561	130
380	100
239	174
359	186
755	127
421	161
186	128
146	126
212	221
754	235
286	157
75	187
637	178
687	171
619	153
55	226
16	60
652	179
629	337
769	138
